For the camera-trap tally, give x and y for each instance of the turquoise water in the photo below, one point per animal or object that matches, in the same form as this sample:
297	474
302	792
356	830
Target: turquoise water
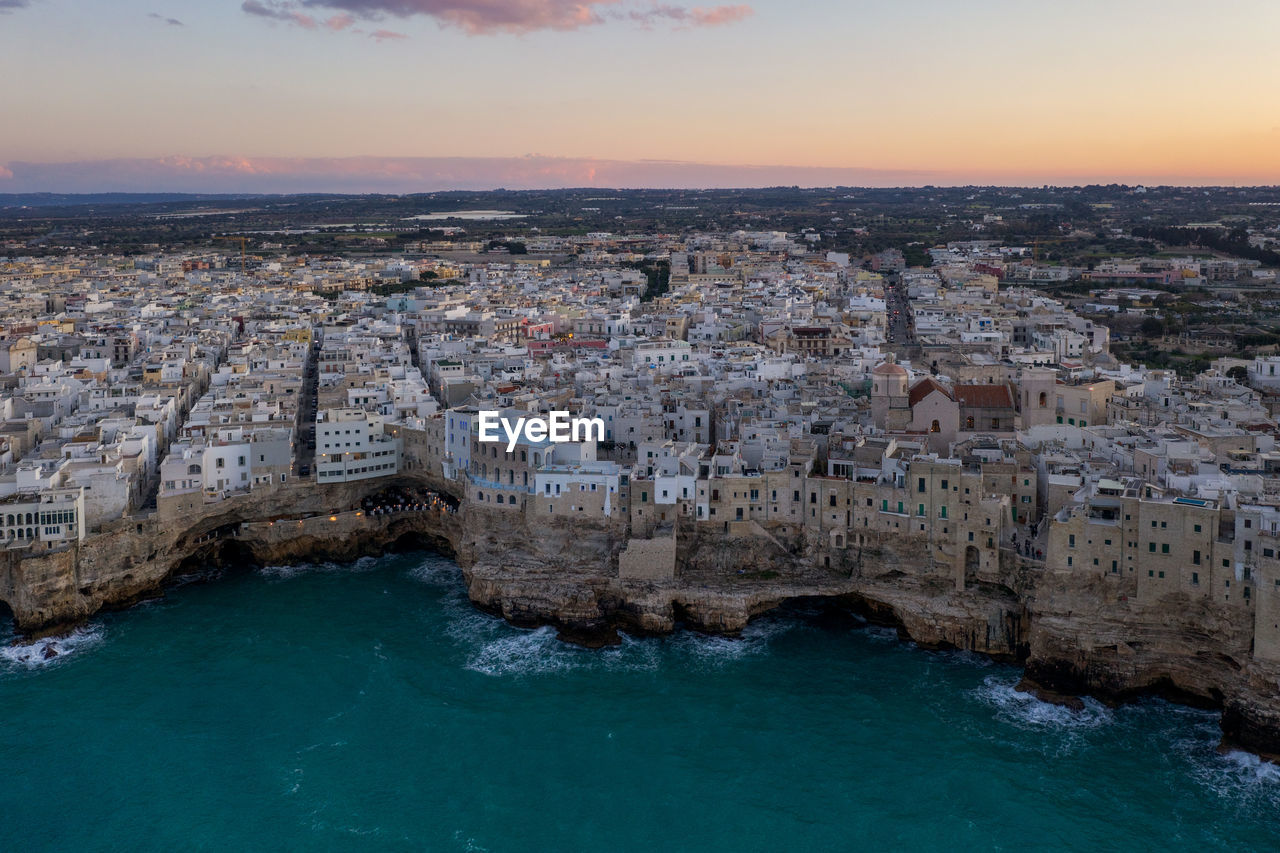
369	707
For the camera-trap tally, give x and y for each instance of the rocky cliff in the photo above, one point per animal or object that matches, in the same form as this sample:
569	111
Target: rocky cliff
1076	635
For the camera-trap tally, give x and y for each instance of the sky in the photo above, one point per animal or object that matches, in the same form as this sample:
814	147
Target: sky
422	95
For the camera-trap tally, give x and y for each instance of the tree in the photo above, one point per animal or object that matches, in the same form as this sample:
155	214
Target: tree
1239	373
1152	327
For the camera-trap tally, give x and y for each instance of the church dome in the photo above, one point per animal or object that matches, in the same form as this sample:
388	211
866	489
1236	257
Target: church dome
889	367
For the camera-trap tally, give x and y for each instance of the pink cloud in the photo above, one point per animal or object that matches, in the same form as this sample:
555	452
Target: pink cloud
387	35
717	15
340	22
277	10
5	173
484	17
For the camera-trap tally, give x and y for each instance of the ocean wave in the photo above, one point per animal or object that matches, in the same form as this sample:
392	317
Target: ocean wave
880	633
1239	777
1026	711
52	650
502	650
717	649
284	572
966	657
540	651
437	571
523	653
1235	777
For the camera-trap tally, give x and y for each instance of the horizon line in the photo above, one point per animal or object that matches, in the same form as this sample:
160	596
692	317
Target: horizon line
367	174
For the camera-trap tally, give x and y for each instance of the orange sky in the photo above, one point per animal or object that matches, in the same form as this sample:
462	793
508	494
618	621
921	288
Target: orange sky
985	91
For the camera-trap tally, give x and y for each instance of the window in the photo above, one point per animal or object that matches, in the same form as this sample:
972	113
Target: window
1197	528
1071	541
1151	546
920	485
1195	558
1164	548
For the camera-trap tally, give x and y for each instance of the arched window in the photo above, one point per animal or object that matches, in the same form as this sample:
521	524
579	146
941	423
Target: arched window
968	423
935	427
1044	399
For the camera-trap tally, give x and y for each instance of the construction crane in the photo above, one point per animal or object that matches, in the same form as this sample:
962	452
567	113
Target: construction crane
243	241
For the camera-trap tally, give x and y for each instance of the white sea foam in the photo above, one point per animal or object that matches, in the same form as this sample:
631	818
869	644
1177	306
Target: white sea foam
1025	711
968	658
50	651
880	633
364	564
714	650
522	653
437	571
1238	778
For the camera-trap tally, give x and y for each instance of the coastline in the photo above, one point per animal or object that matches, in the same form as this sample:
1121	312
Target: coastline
566	574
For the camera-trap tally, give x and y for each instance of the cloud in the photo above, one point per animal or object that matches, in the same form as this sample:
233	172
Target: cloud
698	16
6	173
486	17
10	5
279	11
173	22
387	35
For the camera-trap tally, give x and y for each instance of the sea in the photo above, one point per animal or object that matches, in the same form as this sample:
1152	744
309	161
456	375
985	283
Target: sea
369	706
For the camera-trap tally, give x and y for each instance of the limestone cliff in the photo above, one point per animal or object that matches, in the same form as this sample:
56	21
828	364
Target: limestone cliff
1075	634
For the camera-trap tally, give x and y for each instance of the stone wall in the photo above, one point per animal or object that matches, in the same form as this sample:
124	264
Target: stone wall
649	559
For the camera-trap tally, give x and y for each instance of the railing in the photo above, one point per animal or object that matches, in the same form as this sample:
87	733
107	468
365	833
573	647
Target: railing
490	484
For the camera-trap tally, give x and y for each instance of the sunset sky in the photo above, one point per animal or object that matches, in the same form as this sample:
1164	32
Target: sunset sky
414	95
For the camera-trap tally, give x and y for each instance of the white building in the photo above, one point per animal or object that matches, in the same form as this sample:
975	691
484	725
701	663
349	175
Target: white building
351	445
